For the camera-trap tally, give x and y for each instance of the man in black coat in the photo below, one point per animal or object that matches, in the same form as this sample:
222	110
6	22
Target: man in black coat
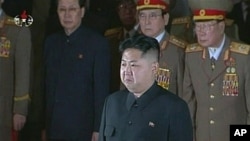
77	67
144	111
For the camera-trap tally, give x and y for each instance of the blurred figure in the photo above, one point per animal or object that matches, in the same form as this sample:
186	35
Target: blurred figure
241	15
217	74
126	9
15	52
77	76
144	111
153	16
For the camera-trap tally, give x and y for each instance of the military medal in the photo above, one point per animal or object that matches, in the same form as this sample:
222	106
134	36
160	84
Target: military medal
230	81
163	78
4	47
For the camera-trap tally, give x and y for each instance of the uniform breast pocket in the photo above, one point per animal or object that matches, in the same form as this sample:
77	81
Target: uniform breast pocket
109	131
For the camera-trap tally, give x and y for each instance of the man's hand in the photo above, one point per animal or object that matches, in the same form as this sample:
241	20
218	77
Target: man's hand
18	121
95	136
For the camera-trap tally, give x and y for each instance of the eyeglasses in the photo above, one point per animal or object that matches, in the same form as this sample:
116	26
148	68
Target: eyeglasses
71	10
152	16
204	27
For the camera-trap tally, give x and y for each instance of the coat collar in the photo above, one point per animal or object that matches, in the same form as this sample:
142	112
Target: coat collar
145	99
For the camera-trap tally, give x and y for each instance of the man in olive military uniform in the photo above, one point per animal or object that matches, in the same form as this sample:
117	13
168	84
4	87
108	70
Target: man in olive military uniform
153	17
126	10
15	48
217	74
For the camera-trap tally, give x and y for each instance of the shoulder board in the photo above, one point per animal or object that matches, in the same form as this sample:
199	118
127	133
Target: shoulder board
181	20
240	48
178	42
194	48
9	21
229	22
112	31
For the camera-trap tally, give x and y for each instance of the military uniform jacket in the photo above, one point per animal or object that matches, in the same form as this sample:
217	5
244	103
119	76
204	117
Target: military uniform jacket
115	37
172	62
157	115
15	51
77	82
217	97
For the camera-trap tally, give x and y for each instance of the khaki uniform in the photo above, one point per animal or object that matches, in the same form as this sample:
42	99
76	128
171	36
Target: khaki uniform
14	73
115	36
217	89
170	74
183	28
217	97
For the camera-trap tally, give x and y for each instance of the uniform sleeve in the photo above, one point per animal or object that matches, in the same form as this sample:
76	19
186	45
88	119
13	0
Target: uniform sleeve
247	88
22	71
188	92
180	73
101	79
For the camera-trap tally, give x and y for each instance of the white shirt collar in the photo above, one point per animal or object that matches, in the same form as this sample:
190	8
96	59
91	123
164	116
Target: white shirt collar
215	52
160	36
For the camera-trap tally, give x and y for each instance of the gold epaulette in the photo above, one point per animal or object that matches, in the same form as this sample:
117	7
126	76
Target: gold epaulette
229	22
21	98
193	48
178	42
240	48
9	21
112	31
181	20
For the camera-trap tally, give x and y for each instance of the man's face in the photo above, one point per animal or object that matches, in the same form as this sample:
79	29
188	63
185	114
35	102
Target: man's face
127	13
70	14
151	21
209	33
136	72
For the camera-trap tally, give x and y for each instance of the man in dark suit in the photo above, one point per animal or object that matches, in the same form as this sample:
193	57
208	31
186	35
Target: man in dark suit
241	15
144	111
77	68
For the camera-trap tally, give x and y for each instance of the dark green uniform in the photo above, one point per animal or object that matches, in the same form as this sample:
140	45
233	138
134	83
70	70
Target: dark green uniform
15	50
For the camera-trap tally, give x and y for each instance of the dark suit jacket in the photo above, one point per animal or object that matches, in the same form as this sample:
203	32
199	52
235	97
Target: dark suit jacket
77	82
237	15
157	115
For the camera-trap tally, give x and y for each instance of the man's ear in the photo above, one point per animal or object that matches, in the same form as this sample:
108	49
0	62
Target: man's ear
166	18
155	67
83	11
222	26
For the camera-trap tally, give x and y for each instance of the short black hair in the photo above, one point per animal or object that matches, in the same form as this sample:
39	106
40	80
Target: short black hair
142	43
81	3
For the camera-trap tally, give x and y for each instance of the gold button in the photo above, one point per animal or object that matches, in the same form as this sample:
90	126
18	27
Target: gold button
212	84
212	96
211	122
211	108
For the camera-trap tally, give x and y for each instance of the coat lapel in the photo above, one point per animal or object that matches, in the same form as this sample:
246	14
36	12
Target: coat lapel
220	64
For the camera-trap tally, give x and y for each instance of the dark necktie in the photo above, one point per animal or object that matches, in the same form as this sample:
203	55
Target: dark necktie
213	63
